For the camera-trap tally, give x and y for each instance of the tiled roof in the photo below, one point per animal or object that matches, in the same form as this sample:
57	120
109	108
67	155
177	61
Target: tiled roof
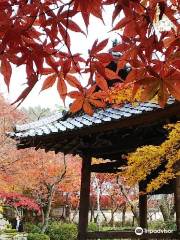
59	123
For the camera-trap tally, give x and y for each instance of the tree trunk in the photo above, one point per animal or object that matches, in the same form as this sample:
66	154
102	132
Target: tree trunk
133	221
98	192
123	215
112	218
48	209
67	209
172	212
164	212
105	218
75	213
135	213
92	214
133	207
67	212
42	213
164	208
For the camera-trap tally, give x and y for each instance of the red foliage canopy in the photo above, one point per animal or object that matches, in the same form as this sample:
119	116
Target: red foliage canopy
33	33
17	200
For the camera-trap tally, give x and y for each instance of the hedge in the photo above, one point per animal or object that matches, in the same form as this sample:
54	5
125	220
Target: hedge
37	236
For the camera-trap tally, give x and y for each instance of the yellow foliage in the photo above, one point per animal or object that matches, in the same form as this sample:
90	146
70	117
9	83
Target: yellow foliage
129	93
1	209
146	159
119	94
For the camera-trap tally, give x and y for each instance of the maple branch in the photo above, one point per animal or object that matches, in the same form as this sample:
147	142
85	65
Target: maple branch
50	10
151	24
60	177
64	172
55	8
123	190
67	24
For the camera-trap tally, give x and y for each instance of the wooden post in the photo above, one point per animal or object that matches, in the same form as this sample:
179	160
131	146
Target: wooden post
142	208
177	202
84	197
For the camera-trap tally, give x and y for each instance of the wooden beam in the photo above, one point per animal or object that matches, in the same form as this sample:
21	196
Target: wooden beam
84	197
107	167
122	146
130	235
142	207
177	199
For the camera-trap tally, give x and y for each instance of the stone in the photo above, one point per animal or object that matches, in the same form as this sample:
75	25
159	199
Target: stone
3	223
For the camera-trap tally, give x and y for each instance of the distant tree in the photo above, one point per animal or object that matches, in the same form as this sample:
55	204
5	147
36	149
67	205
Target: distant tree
110	191
8	151
37	112
18	201
33	173
41	175
167	208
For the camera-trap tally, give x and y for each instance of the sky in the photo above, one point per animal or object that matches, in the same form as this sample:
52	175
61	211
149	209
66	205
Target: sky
50	98
79	43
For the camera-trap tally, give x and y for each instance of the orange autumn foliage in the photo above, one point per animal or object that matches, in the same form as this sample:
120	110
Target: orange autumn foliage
36	34
32	172
8	151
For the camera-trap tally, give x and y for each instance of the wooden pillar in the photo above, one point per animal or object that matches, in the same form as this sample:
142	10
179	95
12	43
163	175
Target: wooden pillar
142	207
177	202
84	197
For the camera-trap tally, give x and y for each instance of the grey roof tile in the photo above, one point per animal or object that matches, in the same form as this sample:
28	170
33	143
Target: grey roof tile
67	124
39	132
144	108
61	123
149	105
92	119
32	132
52	127
135	111
103	117
75	122
84	121
39	123
59	126
45	129
111	115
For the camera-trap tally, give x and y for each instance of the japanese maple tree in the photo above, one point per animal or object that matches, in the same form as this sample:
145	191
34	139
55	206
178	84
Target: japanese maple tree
41	175
38	175
36	34
8	152
111	191
18	201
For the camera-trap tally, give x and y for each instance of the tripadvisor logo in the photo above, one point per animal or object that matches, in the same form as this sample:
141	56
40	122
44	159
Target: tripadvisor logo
139	231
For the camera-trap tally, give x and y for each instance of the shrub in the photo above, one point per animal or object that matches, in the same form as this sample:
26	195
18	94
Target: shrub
160	224
62	231
171	225
37	236
10	231
92	227
31	228
8	226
